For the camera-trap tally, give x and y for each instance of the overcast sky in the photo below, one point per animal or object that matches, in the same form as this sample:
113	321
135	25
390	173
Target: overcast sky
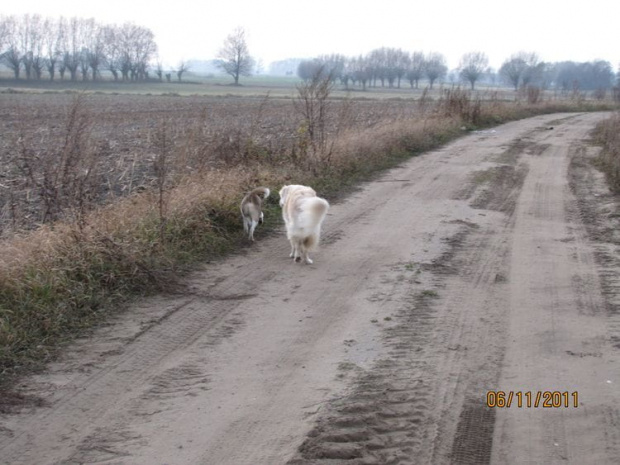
276	29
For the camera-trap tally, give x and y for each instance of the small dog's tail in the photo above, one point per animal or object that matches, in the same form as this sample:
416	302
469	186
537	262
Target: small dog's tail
261	190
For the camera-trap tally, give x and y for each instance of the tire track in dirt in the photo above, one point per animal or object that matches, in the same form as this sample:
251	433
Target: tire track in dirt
86	398
557	312
135	368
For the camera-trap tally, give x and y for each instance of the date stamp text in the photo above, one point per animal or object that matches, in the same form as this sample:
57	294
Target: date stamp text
532	399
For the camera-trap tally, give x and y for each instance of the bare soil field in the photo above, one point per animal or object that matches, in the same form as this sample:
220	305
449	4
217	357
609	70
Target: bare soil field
488	265
115	139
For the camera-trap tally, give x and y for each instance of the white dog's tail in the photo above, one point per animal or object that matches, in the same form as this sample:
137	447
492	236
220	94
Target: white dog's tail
319	207
313	211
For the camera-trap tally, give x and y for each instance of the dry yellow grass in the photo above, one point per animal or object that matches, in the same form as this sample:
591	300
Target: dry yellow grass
608	135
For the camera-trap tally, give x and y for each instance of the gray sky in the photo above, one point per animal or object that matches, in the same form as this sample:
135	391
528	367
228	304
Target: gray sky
276	29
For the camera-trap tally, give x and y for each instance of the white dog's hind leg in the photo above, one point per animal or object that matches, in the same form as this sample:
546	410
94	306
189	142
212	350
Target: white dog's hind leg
296	254
306	245
304	254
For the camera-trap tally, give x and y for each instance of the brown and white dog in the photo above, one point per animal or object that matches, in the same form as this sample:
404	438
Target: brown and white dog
303	214
252	209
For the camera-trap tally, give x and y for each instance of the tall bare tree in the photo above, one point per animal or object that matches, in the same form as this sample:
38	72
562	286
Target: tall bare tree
521	68
135	48
73	47
181	69
4	32
360	71
533	68
306	69
13	54
52	41
113	52
38	49
415	70
396	62
435	67
31	33
377	59
511	70
95	49
234	57
145	49
472	66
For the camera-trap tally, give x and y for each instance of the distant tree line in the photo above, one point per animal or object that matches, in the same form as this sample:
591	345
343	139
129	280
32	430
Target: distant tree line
381	67
390	67
74	48
592	75
33	47
524	69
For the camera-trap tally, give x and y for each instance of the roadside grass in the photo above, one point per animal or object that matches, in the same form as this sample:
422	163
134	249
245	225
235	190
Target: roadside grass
607	134
65	277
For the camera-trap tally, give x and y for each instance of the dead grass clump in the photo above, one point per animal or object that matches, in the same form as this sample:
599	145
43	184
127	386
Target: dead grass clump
534	94
607	134
459	103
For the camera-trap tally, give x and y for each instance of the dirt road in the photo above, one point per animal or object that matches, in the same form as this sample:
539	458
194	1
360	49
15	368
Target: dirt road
488	265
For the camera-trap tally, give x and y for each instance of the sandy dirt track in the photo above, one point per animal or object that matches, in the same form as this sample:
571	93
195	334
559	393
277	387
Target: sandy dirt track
487	265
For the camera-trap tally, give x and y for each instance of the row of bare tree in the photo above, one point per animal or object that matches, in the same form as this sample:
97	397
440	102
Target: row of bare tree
390	66
524	69
380	66
74	47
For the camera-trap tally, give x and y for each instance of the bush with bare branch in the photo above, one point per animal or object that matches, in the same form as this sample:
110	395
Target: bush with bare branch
313	104
64	176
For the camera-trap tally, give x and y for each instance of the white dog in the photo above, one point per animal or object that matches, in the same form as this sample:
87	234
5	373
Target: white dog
252	210
303	213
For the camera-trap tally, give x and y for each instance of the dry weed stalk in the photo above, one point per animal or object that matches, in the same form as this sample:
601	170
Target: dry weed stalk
162	145
63	176
313	104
